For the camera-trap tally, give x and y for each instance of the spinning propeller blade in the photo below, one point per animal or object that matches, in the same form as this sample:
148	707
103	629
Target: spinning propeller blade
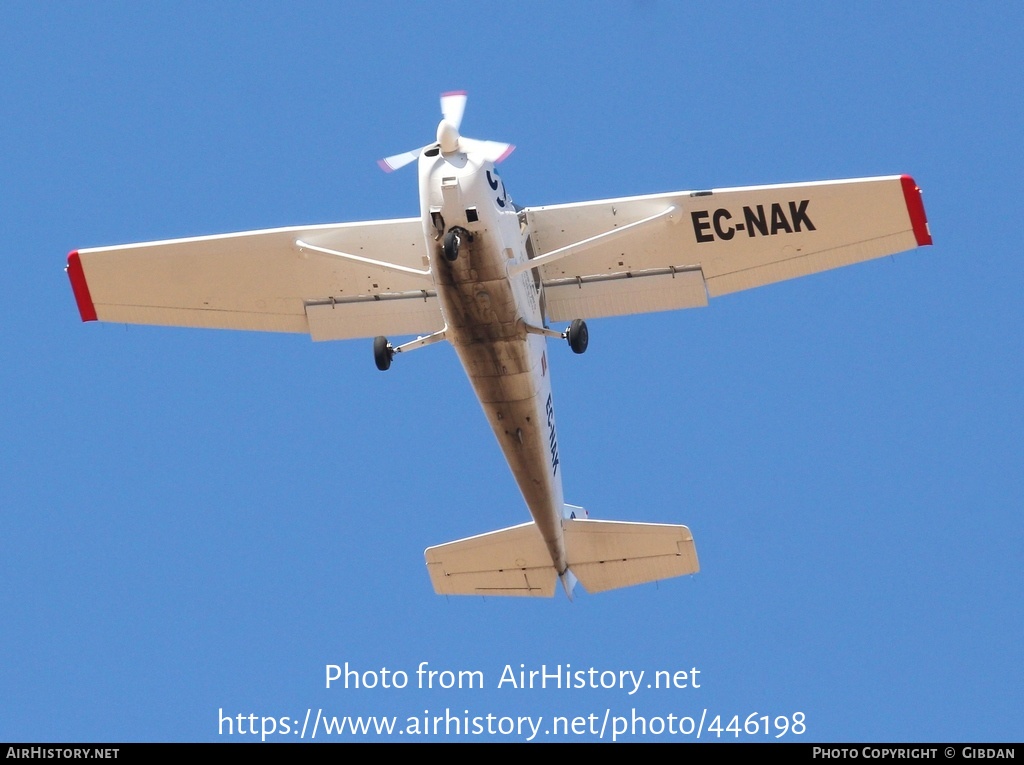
453	106
392	163
492	151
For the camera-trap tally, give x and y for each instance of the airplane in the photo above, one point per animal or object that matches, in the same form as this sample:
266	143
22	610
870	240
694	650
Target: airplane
491	277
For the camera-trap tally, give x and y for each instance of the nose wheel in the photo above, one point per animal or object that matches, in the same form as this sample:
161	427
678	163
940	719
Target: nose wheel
453	241
578	336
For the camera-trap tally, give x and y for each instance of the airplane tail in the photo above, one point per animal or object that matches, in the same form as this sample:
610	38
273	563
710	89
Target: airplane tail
602	555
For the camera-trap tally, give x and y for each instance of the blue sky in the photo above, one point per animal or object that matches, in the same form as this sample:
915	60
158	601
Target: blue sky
197	521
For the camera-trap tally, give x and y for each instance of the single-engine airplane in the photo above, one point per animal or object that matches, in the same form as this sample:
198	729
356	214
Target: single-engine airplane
489	277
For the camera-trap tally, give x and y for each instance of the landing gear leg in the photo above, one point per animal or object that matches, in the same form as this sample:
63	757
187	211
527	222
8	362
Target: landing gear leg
384	352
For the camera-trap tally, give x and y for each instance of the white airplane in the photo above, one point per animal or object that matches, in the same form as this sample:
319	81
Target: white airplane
488	276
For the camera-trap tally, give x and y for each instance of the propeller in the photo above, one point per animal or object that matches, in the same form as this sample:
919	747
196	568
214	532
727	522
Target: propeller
453	105
449	141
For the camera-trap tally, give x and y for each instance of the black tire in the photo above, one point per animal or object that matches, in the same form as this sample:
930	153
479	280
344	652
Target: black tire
578	336
452	242
382	353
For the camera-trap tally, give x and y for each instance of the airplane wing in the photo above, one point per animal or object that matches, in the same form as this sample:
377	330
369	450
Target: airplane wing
700	244
332	281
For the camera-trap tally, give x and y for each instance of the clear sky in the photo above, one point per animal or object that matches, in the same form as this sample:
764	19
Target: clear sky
197	522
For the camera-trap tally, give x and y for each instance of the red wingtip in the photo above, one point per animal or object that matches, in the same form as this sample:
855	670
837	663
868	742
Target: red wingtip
915	208
383	165
80	288
453	93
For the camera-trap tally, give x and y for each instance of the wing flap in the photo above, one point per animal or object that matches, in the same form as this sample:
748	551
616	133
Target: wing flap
619	294
606	555
512	561
407	313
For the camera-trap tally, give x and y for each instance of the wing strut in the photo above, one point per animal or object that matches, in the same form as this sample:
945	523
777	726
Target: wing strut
577	247
369	261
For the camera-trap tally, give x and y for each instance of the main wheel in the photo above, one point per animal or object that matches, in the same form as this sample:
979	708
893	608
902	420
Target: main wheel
452	242
578	336
382	353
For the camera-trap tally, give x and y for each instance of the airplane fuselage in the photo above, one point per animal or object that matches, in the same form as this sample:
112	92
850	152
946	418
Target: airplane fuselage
486	313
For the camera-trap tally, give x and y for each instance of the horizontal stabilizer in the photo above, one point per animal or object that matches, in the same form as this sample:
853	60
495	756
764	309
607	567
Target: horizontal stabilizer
512	561
603	555
606	555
